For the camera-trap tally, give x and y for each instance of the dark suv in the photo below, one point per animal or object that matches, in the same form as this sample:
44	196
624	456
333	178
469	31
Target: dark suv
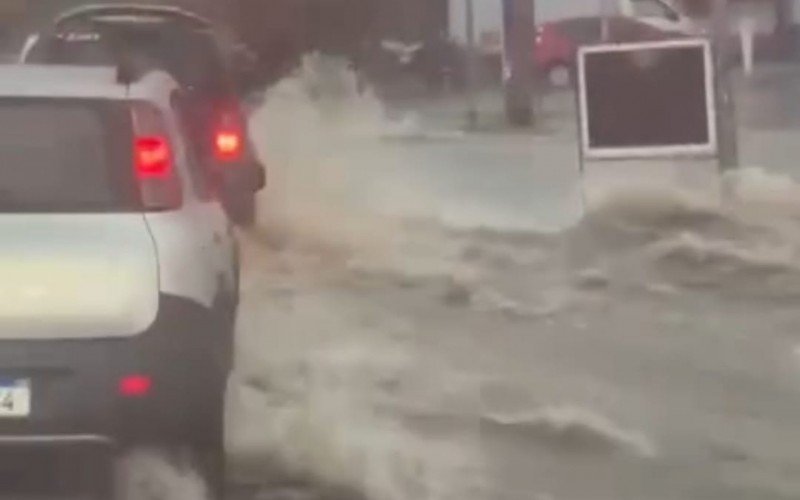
195	53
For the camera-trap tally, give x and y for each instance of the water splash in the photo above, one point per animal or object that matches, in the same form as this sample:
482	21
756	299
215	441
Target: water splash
149	475
568	428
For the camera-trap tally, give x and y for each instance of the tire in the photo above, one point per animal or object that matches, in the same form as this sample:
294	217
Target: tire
560	77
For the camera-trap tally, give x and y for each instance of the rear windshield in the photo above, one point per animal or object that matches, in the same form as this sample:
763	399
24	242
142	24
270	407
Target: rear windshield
190	56
65	156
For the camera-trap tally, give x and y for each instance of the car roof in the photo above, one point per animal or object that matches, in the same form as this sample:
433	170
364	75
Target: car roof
63	82
131	11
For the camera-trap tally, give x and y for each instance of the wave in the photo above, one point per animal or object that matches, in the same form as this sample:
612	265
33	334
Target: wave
568	428
306	397
742	267
747	243
318	138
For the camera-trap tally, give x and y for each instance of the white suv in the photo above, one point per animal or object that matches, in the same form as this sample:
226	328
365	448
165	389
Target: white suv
118	270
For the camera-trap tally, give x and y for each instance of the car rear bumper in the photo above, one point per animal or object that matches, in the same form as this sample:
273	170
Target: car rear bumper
74	384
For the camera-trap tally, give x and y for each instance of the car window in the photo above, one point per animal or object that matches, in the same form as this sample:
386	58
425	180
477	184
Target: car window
64	156
190	56
626	29
583	30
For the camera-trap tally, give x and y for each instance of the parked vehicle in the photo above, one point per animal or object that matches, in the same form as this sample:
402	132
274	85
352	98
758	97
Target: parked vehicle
193	51
660	14
119	268
557	43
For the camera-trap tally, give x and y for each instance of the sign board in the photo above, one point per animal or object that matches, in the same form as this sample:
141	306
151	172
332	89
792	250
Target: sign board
647	100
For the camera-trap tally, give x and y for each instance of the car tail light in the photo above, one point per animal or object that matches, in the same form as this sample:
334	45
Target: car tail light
153	163
229	135
135	386
153	158
227	145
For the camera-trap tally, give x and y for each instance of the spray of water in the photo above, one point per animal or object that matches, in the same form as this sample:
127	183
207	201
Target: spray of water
318	137
323	377
316	371
150	475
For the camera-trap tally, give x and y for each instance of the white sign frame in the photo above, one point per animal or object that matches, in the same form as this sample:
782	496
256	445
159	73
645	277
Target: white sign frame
707	149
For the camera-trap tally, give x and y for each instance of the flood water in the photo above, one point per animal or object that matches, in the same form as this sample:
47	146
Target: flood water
439	317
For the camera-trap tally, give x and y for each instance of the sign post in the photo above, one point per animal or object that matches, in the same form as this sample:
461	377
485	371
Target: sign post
472	66
726	106
519	31
607	9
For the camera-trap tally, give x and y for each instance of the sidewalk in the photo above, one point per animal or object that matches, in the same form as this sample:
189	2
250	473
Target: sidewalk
554	113
768	113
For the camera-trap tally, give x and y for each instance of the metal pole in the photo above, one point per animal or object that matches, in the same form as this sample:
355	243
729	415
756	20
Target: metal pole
727	132
472	66
607	10
519	23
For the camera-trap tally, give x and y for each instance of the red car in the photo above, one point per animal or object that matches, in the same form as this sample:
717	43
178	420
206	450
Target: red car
557	42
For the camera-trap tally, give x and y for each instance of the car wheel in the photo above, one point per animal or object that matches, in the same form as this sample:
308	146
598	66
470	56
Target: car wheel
560	76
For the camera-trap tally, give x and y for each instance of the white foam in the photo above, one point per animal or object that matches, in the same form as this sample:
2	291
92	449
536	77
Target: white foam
308	395
604	182
694	249
575	427
149	475
309	134
755	186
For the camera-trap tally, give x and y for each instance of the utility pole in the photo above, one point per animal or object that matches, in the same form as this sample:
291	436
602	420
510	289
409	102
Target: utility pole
472	67
727	131
519	22
607	9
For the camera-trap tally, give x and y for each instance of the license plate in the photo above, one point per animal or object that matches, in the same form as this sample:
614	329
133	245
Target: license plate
15	398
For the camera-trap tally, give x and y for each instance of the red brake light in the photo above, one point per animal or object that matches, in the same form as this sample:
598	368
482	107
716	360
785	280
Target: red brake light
135	386
227	145
228	138
159	185
152	157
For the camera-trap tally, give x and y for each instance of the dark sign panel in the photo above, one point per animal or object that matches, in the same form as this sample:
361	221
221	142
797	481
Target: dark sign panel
647	99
